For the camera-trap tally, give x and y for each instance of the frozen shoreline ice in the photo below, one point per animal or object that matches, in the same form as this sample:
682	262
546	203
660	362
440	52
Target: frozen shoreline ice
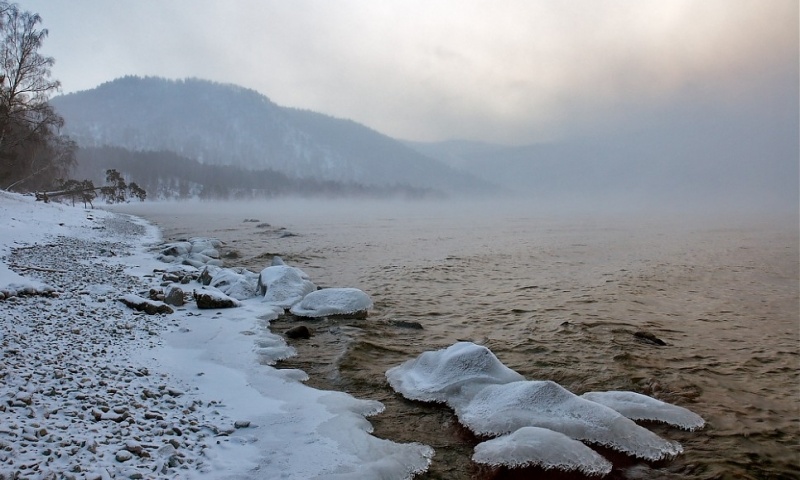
92	389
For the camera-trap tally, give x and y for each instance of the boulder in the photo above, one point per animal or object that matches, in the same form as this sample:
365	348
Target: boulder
143	305
240	283
300	331
173	295
284	286
340	302
212	299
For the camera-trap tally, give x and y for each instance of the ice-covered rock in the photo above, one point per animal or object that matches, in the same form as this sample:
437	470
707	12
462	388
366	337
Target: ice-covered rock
504	408
197	252
349	302
240	285
641	407
283	286
533	446
439	376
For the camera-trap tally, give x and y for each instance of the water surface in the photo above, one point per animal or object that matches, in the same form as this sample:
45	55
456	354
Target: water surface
554	296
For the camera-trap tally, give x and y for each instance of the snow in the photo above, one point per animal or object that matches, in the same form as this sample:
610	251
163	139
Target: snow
500	409
332	301
641	407
192	392
538	422
533	446
239	285
438	376
284	286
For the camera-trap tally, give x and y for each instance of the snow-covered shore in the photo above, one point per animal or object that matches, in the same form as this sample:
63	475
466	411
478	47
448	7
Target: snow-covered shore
93	389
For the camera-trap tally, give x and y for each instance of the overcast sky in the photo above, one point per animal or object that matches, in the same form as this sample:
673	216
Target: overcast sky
512	72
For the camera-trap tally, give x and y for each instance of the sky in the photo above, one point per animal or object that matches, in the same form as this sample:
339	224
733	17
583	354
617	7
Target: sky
506	71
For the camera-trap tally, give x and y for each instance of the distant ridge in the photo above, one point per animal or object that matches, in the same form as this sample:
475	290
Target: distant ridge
221	124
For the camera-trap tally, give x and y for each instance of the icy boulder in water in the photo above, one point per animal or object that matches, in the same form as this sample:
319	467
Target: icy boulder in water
350	302
239	285
283	286
641	407
533	446
440	375
504	408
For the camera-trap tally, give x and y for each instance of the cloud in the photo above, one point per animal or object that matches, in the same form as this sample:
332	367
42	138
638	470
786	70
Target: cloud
511	71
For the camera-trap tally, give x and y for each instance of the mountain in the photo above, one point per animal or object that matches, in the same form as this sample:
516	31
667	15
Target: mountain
744	165
219	124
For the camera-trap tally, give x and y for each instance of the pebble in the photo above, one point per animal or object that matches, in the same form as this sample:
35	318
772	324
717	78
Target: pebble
70	397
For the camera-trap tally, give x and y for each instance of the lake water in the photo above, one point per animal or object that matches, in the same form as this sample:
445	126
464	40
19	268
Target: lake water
554	296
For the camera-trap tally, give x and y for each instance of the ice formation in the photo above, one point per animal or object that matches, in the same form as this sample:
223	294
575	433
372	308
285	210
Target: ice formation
333	301
283	286
197	252
239	285
533	446
532	416
439	376
641	407
500	409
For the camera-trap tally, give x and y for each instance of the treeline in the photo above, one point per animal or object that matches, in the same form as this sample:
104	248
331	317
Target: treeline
168	176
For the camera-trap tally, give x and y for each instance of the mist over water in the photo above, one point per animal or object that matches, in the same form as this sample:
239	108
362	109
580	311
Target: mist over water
557	292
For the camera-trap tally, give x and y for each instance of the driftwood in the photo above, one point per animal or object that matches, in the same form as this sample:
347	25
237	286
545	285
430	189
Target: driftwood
46	196
38	269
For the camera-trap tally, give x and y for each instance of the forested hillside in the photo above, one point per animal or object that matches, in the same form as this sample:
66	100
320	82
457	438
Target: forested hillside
227	125
167	175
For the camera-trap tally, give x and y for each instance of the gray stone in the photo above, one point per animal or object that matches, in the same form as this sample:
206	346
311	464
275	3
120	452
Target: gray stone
173	295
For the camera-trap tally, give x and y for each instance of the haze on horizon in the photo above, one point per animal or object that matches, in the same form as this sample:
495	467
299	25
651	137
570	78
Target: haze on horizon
514	72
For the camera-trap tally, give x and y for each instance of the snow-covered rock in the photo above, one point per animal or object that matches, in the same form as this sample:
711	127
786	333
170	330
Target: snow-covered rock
641	407
533	446
144	305
350	302
439	376
283	286
540	422
241	285
197	252
212	298
501	409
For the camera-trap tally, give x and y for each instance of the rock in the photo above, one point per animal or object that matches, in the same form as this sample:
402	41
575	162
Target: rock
173	295
648	337
206	275
171	277
284	286
143	305
123	456
211	299
300	331
406	324
241	284
174	392
334	302
241	424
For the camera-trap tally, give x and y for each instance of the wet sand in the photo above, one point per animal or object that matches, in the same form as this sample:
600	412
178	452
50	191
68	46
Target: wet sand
555	297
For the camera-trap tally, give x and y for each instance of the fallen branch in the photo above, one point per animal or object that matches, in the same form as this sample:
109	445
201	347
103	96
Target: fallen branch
38	269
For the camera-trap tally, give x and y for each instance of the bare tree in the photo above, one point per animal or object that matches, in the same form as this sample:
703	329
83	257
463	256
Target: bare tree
27	120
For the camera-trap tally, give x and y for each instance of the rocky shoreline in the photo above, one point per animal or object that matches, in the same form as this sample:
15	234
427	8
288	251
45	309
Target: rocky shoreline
74	401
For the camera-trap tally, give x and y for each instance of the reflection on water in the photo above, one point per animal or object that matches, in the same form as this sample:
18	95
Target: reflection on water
555	298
